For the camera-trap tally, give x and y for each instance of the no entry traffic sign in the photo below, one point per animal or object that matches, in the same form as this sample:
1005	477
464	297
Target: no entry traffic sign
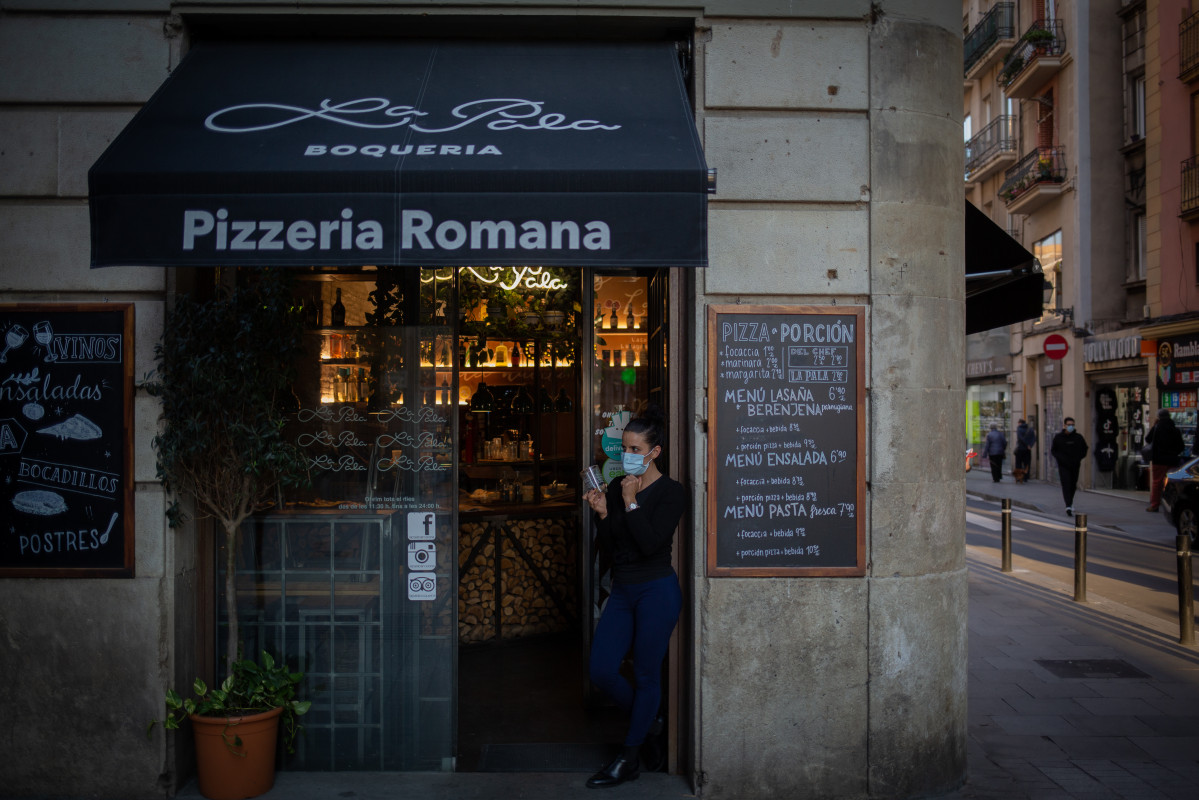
1056	346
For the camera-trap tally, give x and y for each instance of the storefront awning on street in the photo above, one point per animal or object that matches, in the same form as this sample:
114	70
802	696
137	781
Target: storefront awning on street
418	152
1004	282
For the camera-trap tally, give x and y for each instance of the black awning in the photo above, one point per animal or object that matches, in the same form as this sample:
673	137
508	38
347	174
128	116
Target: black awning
413	152
1004	283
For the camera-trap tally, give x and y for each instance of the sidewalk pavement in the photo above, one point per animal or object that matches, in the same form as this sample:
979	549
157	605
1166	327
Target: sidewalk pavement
1110	508
1066	699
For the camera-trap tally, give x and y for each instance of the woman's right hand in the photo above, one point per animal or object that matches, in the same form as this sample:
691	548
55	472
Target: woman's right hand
598	502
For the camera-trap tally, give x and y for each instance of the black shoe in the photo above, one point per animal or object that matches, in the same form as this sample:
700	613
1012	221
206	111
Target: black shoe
620	770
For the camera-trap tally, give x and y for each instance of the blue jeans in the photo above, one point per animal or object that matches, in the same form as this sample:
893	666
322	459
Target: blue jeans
641	616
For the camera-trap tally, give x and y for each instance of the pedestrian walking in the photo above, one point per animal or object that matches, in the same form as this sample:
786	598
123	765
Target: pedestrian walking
635	524
1026	440
995	448
1165	443
1069	448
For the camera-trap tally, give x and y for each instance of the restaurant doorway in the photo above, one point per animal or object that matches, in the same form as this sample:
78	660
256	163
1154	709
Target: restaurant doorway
530	586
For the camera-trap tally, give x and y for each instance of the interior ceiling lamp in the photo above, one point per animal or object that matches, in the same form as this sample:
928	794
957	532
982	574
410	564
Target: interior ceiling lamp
522	403
482	401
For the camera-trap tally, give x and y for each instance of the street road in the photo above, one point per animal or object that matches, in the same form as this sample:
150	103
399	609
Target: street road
1138	572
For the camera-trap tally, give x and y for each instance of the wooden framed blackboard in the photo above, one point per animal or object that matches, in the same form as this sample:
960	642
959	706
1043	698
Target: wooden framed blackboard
66	440
786	454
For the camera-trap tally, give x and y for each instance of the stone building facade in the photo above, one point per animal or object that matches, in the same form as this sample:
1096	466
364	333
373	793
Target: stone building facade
835	128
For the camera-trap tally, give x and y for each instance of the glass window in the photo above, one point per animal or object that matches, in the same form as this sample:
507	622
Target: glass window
352	580
986	404
1136	103
1139	255
1049	252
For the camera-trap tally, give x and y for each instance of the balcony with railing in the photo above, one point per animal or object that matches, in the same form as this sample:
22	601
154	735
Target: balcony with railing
1188	49
1037	179
1036	58
1190	189
989	40
994	148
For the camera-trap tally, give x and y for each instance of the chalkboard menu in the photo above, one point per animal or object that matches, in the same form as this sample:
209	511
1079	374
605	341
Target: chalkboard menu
66	407
786	462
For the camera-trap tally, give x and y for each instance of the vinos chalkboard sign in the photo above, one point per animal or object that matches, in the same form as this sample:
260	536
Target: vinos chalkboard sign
786	461
66	408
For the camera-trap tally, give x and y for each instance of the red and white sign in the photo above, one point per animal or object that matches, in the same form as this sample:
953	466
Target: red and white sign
1056	346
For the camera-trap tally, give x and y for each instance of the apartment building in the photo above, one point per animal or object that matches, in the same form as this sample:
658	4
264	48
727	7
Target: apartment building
1056	144
1171	235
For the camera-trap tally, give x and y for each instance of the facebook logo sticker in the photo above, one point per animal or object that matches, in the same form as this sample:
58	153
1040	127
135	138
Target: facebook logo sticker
422	526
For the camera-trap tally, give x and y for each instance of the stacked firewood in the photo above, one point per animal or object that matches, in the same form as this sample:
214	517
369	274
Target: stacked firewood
526	606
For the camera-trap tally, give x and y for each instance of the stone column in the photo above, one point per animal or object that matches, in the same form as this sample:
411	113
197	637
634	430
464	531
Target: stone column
839	144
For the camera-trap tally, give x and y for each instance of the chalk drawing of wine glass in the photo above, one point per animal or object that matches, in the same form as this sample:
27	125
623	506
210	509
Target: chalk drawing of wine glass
15	337
44	334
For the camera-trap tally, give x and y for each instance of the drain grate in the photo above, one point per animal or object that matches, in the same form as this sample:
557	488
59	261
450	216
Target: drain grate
1092	668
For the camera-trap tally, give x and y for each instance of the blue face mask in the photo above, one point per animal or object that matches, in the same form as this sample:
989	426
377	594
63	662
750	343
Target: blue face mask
1069	429
633	463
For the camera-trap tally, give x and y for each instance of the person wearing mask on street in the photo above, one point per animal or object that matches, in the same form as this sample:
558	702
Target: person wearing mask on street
635	524
994	448
1068	449
1026	440
1167	446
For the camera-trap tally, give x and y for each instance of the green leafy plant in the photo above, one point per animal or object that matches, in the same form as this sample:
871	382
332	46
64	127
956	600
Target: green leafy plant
1039	37
1011	69
251	688
224	377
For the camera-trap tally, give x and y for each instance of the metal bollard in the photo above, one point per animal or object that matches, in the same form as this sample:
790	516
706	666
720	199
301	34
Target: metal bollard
1006	534
1186	592
1080	558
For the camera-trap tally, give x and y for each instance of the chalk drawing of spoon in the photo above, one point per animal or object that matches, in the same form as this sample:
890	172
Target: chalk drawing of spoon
104	538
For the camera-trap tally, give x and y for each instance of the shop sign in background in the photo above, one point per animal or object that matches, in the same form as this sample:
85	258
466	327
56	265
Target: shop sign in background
1178	362
66	380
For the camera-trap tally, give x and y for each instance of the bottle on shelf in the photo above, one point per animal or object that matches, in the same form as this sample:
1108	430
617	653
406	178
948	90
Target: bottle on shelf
631	318
312	311
337	315
613	322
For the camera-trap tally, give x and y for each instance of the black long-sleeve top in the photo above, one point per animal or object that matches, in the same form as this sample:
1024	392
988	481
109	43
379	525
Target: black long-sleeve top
639	541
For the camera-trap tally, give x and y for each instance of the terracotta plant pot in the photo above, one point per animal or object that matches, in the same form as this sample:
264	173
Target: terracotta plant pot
247	770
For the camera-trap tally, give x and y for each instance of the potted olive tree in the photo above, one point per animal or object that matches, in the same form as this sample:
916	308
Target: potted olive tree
224	376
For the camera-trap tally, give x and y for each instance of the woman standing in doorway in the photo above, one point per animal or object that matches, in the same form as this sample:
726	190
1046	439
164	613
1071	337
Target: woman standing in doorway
635	524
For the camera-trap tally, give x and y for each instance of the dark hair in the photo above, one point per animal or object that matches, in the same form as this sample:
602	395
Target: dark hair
650	423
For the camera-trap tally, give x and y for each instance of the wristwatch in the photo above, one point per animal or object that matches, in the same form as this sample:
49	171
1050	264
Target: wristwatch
632	506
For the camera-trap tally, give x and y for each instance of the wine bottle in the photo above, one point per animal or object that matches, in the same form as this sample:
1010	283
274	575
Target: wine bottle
337	315
631	318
